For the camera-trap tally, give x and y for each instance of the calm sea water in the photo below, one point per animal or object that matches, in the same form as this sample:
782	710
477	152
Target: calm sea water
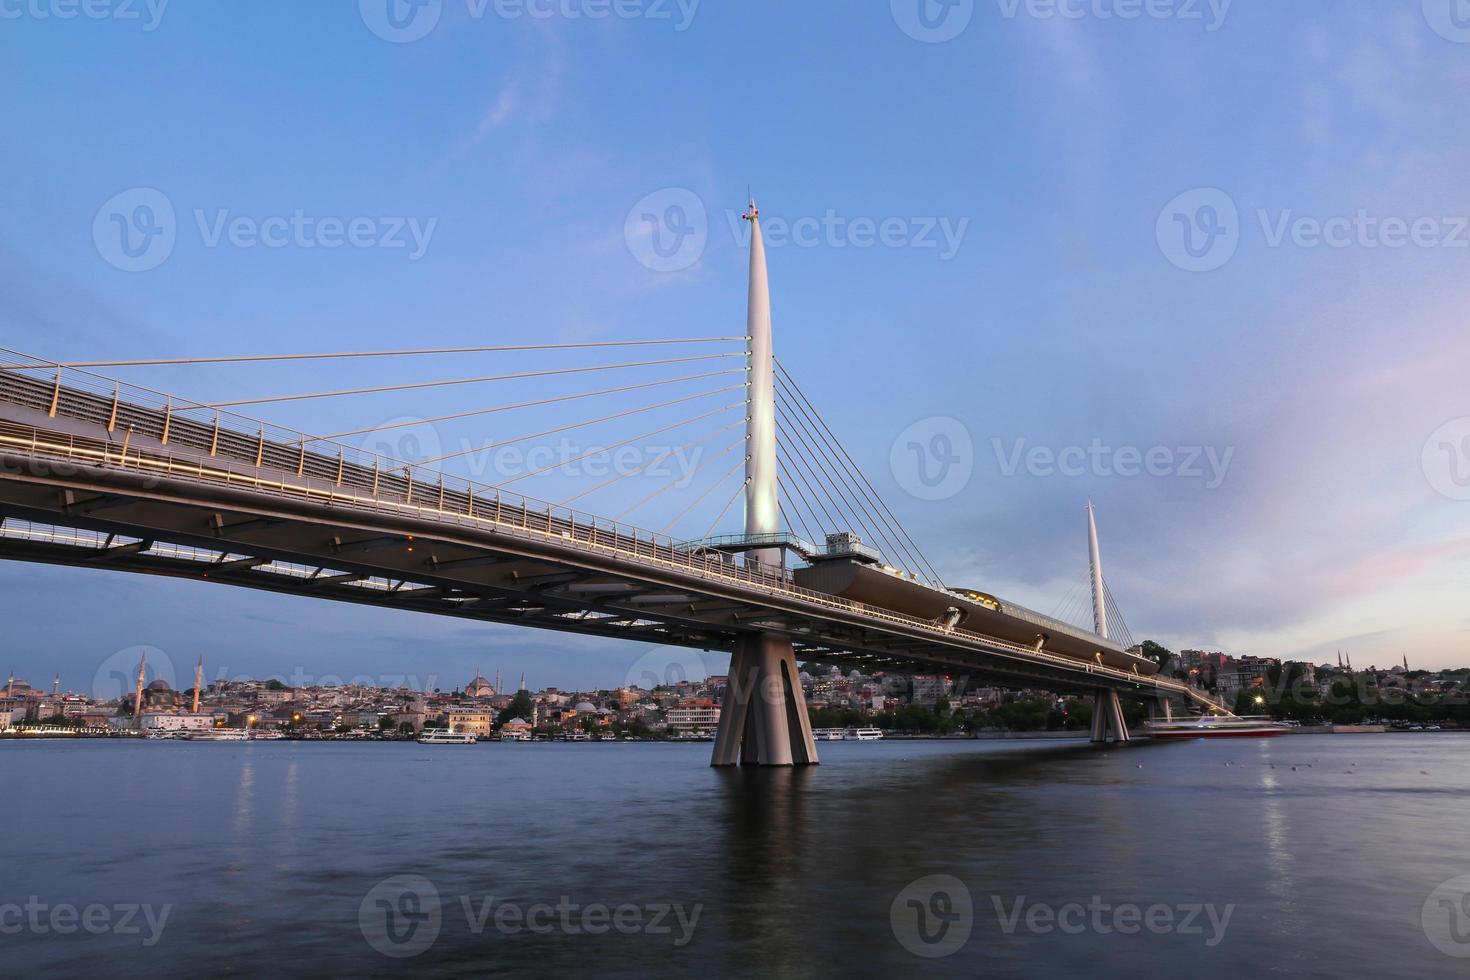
1301	856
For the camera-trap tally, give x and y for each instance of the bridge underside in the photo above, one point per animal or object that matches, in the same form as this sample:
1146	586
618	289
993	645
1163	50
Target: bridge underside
96	520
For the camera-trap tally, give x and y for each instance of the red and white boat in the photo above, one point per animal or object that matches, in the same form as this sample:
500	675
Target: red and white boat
1217	726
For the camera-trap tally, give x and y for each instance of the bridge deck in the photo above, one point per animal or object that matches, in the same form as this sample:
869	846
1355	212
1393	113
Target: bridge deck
196	499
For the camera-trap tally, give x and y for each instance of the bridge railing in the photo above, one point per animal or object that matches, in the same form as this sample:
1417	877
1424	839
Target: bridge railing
186	440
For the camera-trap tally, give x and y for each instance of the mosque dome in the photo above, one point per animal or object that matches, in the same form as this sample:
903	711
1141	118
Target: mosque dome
586	707
479	687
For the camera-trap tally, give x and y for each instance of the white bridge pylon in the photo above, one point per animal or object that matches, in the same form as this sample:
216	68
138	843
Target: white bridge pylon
763	717
1107	709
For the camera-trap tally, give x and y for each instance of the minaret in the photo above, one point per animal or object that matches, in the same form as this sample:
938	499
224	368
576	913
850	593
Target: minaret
762	509
1099	597
10	686
138	701
56	686
1406	663
1339	660
497	681
523	681
198	681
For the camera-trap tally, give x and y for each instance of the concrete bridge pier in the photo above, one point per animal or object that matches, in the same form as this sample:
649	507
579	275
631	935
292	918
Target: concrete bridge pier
763	719
1107	717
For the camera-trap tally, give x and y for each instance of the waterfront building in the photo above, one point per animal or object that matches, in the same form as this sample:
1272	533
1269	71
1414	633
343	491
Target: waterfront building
694	715
477	722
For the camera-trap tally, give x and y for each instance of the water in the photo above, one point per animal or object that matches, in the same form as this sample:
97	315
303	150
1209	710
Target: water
1324	849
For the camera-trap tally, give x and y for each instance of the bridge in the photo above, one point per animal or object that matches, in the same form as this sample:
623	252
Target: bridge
96	472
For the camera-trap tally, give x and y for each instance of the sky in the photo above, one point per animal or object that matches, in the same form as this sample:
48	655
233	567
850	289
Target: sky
1201	263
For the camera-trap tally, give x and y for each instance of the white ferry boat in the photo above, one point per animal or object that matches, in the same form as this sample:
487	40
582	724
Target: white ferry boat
828	734
215	735
445	736
1217	726
863	734
515	736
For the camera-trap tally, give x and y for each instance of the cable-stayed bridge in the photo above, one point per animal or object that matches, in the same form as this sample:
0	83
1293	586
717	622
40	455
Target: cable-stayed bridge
101	473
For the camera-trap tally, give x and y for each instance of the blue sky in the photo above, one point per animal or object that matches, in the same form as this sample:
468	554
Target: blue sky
1037	169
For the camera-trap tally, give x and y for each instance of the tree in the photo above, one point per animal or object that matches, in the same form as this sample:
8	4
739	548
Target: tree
1157	652
520	707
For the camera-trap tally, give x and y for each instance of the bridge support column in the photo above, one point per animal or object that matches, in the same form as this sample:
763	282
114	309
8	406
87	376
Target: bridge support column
763	719
1107	717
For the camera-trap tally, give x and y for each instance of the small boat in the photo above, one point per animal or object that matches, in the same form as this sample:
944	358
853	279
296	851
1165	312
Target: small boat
515	736
215	735
447	736
1217	726
863	735
828	734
